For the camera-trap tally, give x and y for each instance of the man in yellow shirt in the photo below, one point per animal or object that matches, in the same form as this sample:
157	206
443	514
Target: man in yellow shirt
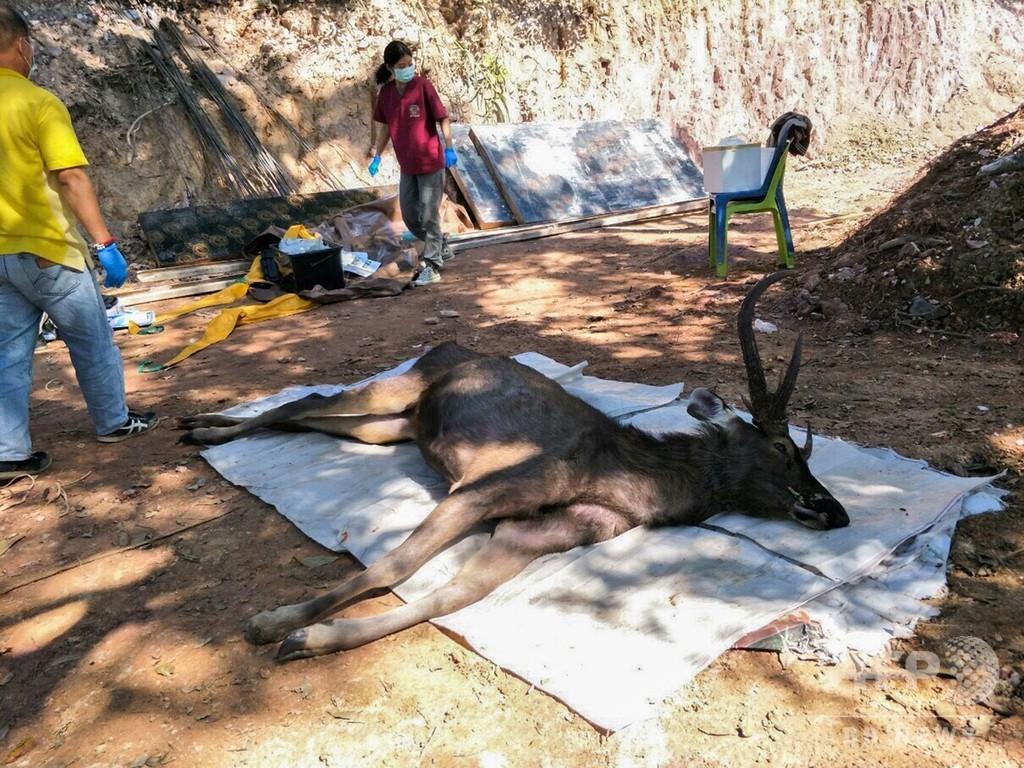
45	263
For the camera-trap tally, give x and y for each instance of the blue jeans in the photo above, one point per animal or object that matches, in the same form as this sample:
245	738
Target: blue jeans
73	301
420	200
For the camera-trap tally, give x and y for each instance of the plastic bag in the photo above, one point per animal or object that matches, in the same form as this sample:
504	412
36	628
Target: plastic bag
298	239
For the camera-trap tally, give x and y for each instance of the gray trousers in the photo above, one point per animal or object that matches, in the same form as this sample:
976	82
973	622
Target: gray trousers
420	200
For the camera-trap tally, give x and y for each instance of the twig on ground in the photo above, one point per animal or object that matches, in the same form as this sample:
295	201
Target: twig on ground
936	330
10	482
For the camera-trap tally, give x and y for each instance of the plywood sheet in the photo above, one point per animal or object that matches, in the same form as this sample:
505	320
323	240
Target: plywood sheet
205	233
478	187
562	170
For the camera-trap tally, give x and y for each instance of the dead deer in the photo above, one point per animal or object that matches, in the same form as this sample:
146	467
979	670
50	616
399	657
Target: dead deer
551	471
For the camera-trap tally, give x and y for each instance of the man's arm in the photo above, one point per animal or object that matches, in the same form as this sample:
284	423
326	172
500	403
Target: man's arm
77	191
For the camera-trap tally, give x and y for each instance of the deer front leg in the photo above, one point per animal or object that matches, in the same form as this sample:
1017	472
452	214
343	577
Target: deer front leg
449	519
514	545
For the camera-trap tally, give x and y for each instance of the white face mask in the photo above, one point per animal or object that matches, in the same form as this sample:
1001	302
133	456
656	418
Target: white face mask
30	60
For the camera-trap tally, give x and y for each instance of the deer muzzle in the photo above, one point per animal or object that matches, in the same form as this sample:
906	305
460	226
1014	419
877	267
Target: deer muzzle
819	510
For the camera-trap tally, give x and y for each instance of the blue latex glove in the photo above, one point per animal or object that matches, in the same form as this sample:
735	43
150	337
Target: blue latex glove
375	165
450	158
114	265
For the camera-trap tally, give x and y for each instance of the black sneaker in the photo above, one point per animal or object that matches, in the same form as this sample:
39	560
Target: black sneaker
136	424
36	463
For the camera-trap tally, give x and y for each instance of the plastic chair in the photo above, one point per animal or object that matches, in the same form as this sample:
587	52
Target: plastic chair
768	197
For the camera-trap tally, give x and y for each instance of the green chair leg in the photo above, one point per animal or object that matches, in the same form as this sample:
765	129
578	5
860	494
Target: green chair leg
722	239
785	257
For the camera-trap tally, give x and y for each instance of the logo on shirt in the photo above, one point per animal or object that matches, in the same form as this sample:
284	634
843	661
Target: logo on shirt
414	110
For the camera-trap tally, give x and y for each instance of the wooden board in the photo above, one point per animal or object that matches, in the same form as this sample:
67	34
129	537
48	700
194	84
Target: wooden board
167	291
478	187
217	269
555	171
523	232
207	233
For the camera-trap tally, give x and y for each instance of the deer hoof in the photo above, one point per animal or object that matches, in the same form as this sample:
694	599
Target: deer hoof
204	436
207	420
295	647
189	439
264	628
315	640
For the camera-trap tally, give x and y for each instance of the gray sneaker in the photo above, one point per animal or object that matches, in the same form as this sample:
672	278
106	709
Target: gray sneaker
428	276
447	254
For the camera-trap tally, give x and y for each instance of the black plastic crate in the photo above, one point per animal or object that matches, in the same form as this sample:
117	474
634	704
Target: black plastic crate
301	271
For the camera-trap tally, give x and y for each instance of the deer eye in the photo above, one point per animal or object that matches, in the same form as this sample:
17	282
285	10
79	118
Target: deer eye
781	448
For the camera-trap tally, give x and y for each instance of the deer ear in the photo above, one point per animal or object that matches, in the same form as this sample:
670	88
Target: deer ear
705	405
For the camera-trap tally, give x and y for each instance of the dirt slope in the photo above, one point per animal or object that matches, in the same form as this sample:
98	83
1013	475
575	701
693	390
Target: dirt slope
948	252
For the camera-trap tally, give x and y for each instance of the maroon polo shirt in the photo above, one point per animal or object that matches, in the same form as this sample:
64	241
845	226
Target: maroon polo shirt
411	118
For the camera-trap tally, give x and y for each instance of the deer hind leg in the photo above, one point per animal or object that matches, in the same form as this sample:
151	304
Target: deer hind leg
513	546
351	413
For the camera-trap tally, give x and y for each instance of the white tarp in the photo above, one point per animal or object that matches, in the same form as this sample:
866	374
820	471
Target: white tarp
614	628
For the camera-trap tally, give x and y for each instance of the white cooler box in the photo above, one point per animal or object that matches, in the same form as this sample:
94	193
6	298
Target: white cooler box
735	167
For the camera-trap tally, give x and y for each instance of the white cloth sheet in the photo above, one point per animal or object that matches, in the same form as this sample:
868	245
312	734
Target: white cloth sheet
613	629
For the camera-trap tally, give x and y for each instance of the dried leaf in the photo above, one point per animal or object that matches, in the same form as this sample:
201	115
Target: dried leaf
315	561
8	543
164	668
21	748
981	724
716	730
947	711
337	713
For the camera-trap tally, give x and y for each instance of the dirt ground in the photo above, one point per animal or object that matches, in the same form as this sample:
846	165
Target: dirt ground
131	569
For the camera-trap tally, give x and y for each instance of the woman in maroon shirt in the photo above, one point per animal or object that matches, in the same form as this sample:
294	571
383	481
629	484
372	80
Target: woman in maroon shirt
409	107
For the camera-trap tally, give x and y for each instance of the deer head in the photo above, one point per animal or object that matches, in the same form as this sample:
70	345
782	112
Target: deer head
771	468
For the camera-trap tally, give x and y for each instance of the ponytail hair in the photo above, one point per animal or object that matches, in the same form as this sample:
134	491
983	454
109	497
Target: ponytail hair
394	52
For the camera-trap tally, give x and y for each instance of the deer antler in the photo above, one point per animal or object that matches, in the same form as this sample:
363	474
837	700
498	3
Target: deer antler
767	408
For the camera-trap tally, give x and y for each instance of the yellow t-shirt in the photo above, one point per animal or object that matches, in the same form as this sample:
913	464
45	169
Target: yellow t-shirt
37	139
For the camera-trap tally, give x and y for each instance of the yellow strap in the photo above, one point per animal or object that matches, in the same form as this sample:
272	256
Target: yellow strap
298	230
224	323
228	295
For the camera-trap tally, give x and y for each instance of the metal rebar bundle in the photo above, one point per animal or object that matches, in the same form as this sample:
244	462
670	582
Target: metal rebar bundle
270	176
260	93
213	143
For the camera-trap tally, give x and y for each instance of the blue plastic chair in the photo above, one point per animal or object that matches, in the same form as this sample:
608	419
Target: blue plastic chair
768	197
